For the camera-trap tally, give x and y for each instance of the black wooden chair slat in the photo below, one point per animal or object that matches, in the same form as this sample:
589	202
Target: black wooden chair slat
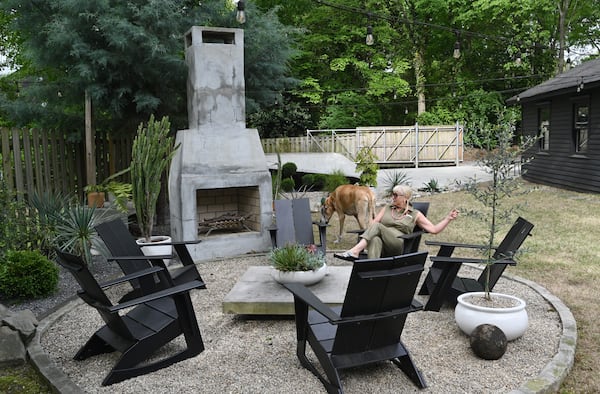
367	327
128	254
442	283
154	320
295	225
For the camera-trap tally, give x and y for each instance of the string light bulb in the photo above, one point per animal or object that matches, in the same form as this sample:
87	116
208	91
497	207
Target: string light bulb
580	86
370	40
240	17
456	53
518	60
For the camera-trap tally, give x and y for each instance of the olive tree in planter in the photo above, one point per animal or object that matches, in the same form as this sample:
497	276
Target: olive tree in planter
498	159
152	151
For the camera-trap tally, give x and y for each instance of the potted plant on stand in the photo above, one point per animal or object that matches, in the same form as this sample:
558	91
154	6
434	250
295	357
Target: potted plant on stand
498	160
151	154
121	191
295	263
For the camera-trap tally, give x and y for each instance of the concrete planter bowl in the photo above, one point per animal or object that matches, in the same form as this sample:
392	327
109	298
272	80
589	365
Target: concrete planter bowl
303	277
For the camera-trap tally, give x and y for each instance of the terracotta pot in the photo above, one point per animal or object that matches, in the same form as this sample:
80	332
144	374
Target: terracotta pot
95	199
513	321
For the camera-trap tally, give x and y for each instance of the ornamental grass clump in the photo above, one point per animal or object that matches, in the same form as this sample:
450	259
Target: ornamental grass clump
295	257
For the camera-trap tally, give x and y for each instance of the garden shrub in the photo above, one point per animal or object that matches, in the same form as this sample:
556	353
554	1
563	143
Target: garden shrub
287	184
367	166
288	170
335	179
27	274
319	181
308	180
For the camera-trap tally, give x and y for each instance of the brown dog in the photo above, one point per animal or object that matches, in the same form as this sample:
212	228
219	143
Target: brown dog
357	201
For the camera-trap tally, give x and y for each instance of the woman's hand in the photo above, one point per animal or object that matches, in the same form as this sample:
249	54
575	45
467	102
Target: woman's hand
453	214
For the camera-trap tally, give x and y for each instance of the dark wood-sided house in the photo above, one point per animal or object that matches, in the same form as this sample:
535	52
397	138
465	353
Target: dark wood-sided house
564	112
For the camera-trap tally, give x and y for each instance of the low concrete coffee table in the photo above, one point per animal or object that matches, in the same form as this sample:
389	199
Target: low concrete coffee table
257	293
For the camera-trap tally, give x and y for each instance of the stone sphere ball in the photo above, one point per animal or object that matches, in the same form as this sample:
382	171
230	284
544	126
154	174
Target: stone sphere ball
488	342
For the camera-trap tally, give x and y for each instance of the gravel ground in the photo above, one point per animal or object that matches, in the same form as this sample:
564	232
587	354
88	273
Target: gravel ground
258	355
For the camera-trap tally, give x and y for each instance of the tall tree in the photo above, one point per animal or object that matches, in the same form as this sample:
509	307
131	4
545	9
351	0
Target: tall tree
128	56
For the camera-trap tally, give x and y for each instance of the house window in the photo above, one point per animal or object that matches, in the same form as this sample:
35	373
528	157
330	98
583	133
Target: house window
544	127
581	127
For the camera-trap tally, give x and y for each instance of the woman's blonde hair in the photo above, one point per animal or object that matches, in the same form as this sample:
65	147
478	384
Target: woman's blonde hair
406	191
403	190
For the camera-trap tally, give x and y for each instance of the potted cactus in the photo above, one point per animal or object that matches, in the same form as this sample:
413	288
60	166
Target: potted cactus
153	148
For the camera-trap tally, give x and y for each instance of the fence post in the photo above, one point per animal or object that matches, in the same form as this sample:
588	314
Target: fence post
457	142
416	144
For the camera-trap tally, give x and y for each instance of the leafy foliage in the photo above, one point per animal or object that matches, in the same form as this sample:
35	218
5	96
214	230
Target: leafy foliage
287	184
27	274
281	121
288	169
366	165
335	179
19	226
128	57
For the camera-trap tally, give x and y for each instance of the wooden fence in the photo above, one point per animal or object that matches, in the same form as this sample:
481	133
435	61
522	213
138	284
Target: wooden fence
403	145
40	160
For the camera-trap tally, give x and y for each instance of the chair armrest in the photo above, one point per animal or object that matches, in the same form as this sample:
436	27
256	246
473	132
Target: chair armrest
464	260
173	243
141	258
458	245
320	223
359	231
412	235
305	295
135	275
171	291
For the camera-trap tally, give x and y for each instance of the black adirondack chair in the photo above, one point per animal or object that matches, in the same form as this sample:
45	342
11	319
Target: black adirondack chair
368	326
131	259
412	240
295	225
442	283
155	320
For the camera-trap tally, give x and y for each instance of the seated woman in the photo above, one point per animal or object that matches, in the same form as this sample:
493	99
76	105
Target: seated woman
392	221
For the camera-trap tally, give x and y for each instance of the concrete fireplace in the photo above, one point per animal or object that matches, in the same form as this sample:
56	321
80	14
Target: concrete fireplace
219	172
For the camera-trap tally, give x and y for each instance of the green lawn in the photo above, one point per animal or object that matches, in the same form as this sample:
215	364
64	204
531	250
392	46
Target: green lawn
563	255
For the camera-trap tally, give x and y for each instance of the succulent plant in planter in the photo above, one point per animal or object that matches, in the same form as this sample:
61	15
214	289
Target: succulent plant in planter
297	263
295	257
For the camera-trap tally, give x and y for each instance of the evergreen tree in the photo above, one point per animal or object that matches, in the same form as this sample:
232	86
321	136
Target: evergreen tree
129	57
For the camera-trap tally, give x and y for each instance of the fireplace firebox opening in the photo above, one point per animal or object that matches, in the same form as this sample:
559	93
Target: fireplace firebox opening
232	209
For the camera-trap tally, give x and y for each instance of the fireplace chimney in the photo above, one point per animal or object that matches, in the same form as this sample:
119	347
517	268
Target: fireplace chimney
220	170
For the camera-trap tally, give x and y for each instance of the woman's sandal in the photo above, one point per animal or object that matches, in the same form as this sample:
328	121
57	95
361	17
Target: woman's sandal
345	256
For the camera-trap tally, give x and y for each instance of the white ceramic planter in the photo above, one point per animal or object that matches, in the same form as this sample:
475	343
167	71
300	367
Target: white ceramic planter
512	321
154	248
304	277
